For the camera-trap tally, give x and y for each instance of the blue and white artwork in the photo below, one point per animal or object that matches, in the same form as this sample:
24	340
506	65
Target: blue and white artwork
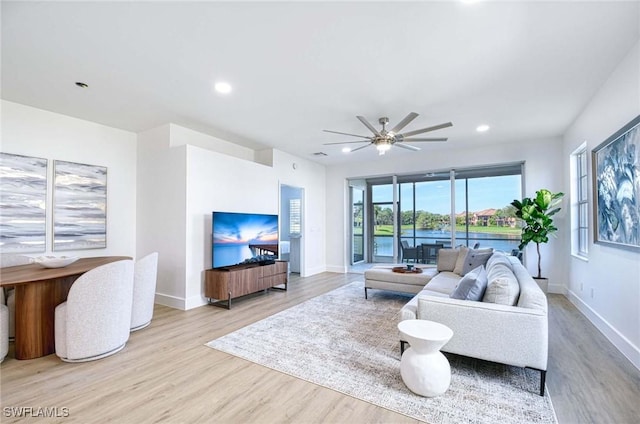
23	199
79	206
617	170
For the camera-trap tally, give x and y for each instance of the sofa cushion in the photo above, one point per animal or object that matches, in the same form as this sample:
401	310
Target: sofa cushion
503	287
444	282
472	285
474	259
447	259
462	255
498	258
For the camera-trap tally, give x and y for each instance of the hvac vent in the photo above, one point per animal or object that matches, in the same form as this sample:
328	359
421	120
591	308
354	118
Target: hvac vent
319	154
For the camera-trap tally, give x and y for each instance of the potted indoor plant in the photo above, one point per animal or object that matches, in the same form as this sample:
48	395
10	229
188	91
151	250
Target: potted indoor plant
536	214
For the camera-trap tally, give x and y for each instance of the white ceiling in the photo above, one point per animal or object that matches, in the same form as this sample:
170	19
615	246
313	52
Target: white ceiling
525	68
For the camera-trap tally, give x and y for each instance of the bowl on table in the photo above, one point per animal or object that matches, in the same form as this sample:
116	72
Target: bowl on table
54	261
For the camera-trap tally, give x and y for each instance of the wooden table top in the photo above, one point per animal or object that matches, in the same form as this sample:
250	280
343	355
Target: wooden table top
24	274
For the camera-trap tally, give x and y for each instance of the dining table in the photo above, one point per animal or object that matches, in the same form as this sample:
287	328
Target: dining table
38	291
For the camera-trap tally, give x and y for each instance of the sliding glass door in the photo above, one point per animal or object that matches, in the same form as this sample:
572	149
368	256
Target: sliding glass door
468	207
357	225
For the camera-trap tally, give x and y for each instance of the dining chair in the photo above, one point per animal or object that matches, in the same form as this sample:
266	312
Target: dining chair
408	252
430	252
8	260
4	331
94	322
144	291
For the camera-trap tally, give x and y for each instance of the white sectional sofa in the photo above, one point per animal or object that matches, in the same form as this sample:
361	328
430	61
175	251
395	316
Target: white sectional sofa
509	324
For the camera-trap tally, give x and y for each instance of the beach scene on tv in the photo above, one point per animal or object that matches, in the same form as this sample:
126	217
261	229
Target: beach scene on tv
243	238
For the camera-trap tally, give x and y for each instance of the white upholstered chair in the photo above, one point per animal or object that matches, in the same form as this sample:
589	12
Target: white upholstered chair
4	331
8	260
144	291
94	321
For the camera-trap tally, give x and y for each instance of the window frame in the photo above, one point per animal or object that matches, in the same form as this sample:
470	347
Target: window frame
580	205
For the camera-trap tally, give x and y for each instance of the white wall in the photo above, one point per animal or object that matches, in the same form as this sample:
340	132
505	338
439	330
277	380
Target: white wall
35	132
180	184
311	177
161	214
543	169
613	275
217	182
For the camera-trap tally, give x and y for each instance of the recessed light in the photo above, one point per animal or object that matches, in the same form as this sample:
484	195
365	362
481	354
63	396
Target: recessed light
483	128
82	84
223	87
346	150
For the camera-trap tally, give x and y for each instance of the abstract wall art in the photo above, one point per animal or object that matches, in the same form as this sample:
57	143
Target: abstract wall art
79	206
616	185
23	199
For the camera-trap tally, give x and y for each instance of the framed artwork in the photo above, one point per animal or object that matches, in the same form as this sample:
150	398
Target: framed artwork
79	206
616	186
23	200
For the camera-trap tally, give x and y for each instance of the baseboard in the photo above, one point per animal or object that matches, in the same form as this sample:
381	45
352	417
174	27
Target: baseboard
195	302
170	301
557	289
338	269
313	271
624	345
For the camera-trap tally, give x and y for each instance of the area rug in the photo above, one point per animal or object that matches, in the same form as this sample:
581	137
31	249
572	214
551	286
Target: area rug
343	342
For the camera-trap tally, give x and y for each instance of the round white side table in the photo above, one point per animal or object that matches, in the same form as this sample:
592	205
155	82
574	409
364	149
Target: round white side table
424	369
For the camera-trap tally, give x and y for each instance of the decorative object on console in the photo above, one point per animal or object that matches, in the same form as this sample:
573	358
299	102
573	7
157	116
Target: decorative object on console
79	206
54	261
616	188
536	215
23	198
384	139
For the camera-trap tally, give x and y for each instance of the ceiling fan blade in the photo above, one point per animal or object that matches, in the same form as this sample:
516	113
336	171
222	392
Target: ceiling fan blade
410	117
368	125
424	130
425	139
407	146
343	133
347	142
359	148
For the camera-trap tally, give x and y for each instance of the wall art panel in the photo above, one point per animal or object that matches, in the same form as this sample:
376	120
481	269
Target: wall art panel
79	206
23	199
616	173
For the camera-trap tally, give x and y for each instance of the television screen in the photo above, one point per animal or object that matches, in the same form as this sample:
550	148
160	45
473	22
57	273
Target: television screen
243	237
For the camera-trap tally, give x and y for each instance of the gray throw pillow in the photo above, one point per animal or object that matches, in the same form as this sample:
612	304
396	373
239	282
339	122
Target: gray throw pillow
447	259
472	285
474	259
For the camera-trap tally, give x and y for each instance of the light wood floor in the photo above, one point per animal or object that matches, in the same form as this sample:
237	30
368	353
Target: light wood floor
166	374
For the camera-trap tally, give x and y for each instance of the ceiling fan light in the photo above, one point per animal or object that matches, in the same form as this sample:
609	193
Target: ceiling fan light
383	147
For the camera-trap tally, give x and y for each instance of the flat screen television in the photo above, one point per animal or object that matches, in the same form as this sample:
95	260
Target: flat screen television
243	238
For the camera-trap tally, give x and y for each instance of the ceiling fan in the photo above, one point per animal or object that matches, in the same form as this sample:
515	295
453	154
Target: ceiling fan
383	140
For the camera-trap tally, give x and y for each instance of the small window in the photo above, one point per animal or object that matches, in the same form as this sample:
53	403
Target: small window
580	205
295	218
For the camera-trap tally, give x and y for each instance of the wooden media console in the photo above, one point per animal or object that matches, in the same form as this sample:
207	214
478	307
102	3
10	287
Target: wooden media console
224	284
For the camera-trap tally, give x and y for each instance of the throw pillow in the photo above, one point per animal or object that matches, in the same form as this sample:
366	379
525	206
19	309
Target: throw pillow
503	287
472	286
447	259
462	255
498	258
474	259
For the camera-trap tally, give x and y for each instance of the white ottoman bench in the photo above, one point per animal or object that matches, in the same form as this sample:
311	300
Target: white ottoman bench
383	278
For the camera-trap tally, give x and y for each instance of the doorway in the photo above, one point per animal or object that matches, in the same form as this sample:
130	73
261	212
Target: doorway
291	227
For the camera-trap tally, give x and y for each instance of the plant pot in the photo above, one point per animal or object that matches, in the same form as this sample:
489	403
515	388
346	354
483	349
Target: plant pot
543	283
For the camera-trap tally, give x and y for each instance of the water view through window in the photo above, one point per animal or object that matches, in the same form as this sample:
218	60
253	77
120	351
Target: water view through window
483	214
